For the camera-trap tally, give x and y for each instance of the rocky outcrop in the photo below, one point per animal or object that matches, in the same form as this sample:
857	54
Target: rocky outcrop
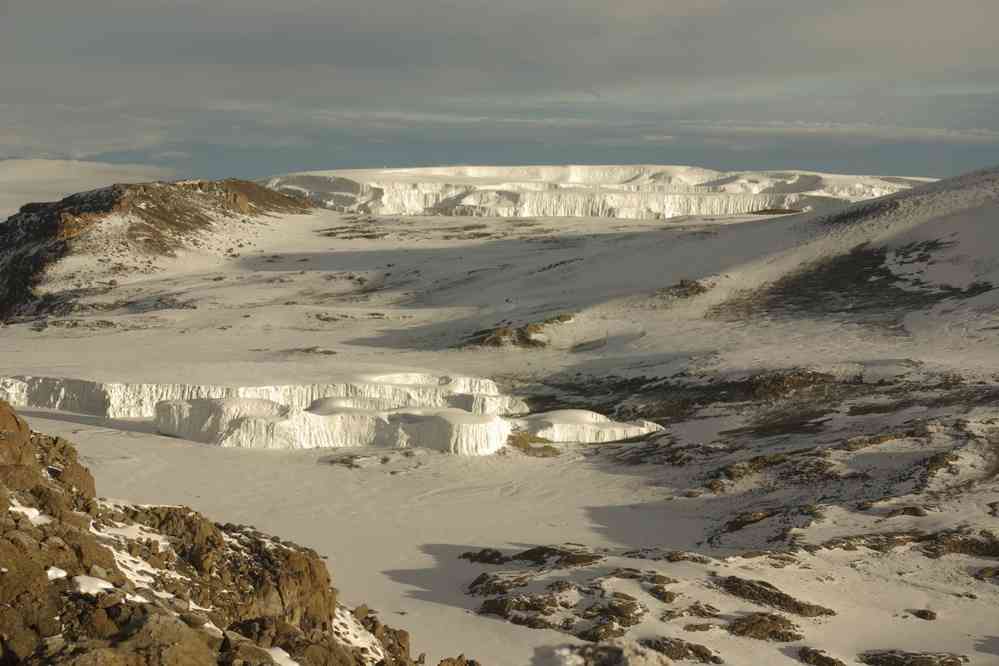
145	219
96	583
763	593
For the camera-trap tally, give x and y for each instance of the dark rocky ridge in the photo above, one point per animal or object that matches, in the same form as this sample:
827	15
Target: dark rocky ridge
160	216
88	582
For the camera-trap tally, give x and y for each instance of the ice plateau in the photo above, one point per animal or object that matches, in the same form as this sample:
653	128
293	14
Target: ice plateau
632	192
416	410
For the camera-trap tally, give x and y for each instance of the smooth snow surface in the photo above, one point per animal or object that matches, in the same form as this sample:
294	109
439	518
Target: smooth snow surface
55	573
632	192
579	425
280	657
91	586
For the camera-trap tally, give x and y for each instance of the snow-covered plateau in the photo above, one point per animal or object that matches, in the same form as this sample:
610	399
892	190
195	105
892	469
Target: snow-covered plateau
763	432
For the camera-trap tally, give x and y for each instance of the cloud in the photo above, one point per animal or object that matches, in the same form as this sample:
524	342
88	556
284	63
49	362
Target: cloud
857	131
150	76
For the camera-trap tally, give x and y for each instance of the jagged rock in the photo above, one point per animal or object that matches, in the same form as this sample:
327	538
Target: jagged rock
763	593
900	658
460	660
813	657
94	583
555	556
681	650
697	609
765	627
529	335
613	653
159	218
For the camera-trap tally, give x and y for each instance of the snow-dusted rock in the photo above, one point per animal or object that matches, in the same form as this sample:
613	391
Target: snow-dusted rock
580	425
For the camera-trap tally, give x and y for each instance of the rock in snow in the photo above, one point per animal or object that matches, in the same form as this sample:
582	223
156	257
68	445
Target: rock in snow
168	584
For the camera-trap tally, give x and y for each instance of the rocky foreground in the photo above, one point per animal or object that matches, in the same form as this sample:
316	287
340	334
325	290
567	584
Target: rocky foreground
87	581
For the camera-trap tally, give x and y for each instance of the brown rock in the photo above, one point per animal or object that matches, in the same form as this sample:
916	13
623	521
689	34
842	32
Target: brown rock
765	627
681	650
813	657
901	658
763	593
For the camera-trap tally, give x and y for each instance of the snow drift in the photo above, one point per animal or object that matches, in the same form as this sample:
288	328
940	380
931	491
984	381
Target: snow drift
580	425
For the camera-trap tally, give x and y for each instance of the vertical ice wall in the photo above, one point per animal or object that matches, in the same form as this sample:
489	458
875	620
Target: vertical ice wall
139	400
634	192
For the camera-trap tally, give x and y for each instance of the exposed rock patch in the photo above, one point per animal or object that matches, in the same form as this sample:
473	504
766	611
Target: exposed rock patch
765	627
526	335
681	650
813	657
90	582
765	594
900	658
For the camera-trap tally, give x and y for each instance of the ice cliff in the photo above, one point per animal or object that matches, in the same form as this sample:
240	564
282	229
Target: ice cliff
139	400
634	192
580	425
459	415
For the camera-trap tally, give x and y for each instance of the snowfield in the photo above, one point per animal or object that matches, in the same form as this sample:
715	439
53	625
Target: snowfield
740	434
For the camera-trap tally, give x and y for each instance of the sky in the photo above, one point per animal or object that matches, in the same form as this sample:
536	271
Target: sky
251	88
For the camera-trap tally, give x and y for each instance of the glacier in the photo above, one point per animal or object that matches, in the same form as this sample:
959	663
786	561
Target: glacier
261	424
139	400
466	416
582	426
631	192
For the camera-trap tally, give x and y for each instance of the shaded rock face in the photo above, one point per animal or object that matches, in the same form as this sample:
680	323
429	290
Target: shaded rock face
765	594
814	657
89	582
159	218
901	658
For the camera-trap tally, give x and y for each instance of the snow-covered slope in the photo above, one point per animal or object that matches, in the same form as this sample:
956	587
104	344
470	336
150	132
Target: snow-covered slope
48	251
807	400
634	192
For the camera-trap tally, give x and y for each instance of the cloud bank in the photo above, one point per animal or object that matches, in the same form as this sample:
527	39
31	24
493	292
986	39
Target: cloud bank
203	85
